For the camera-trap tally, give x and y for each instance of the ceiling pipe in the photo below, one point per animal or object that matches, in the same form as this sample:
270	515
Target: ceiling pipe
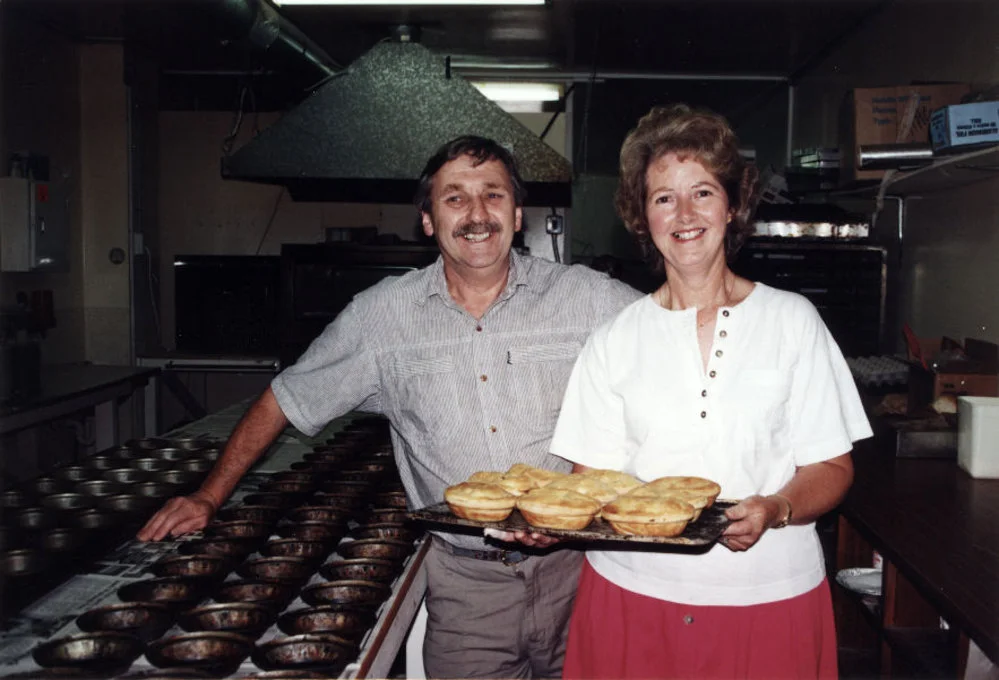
260	24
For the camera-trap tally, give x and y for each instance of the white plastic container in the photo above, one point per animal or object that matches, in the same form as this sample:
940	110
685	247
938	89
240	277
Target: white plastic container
978	436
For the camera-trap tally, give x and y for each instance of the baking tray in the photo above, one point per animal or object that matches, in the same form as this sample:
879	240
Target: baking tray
705	531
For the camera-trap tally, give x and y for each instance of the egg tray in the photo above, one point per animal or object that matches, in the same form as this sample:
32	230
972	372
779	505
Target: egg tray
705	531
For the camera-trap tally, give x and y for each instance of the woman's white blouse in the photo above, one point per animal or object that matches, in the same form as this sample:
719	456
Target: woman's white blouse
776	394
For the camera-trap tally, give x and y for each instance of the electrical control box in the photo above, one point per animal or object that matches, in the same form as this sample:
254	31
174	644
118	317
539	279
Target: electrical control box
34	226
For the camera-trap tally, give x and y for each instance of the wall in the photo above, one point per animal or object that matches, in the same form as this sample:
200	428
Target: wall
40	94
104	204
949	263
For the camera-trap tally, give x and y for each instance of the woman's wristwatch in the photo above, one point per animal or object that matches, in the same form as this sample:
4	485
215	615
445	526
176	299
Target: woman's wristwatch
786	518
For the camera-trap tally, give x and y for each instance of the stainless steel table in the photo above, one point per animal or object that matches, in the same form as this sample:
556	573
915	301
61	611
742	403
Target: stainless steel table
69	388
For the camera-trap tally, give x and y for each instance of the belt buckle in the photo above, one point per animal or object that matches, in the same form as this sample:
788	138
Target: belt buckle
505	556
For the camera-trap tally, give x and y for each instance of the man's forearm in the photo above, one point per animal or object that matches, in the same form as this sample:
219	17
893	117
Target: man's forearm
257	430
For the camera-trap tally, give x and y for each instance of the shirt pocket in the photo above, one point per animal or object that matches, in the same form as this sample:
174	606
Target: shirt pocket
424	391
759	399
542	372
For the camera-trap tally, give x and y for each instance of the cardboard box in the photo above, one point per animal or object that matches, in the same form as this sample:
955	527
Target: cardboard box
938	372
875	116
962	126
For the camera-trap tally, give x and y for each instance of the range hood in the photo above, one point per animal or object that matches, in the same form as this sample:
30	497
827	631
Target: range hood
365	134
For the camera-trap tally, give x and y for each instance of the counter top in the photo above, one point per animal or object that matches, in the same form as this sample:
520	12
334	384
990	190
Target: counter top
940	527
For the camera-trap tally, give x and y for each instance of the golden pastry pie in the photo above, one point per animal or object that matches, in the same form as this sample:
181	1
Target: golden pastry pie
588	485
516	484
480	502
550	508
621	482
697	499
648	516
696	484
518	469
542	477
486	477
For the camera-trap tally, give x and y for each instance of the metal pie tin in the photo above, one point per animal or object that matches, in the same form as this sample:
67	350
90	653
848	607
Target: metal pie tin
98	653
270	499
349	623
46	486
243	618
381	548
180	478
281	569
327	532
193	443
125	475
228	548
293	547
238	529
318	513
293	476
265	514
390	499
68	501
401	532
100	462
346	487
192	566
220	652
94	520
367	594
349	503
328	652
387	516
35	519
58	540
145	620
15	499
180	593
147	444
270	593
129	504
22	563
150	465
155	490
288	487
195	465
98	488
170	455
361	569
74	474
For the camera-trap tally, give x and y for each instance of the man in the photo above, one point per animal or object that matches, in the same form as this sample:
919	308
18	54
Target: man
468	359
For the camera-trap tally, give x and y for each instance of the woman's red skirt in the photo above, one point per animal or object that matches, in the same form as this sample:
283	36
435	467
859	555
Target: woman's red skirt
615	633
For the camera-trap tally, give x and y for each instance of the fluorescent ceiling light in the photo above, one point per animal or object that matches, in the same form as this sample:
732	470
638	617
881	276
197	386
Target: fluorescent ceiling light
410	2
520	92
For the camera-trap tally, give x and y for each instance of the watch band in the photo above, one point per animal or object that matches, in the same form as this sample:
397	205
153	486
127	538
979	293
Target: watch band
786	519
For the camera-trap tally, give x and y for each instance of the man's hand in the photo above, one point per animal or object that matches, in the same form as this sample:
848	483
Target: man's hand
525	537
179	516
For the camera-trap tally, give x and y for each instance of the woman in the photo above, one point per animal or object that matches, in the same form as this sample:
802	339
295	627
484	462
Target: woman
714	376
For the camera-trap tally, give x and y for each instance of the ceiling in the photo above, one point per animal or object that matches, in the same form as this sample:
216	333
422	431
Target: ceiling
199	41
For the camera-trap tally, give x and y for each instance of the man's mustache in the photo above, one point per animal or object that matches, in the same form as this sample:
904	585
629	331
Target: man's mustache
476	228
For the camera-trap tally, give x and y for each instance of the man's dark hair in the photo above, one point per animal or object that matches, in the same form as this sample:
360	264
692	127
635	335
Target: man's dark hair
480	149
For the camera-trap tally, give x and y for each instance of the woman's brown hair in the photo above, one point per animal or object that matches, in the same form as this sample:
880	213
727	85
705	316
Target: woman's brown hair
702	135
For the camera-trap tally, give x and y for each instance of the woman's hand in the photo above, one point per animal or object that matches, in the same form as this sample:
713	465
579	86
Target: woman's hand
750	518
